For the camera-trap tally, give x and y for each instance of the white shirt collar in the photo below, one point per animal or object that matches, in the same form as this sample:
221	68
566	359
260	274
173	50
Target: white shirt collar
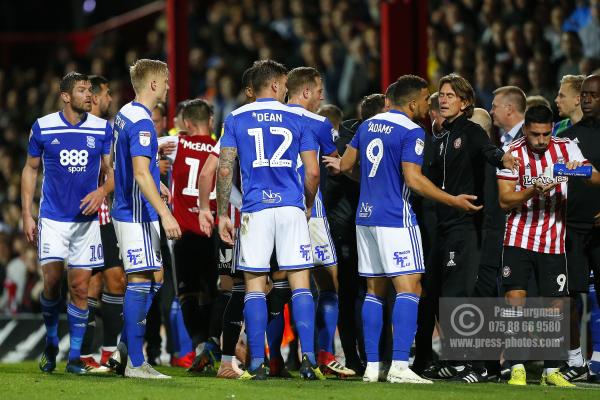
513	131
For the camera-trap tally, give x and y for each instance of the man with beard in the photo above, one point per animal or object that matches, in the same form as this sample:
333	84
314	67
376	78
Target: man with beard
74	146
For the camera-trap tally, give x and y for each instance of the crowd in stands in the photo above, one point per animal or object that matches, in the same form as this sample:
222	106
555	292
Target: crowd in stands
525	43
340	38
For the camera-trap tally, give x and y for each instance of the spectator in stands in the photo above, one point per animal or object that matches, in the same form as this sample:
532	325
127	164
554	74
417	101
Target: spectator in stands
590	32
571	47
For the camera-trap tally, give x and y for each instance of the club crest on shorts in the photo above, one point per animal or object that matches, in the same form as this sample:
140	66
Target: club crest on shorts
451	262
506	271
144	138
457	143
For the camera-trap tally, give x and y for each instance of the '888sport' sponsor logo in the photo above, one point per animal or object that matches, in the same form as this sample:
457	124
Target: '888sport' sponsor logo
75	160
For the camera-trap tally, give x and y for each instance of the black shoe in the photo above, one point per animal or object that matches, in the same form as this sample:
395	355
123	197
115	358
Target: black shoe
118	360
310	371
440	370
505	371
153	360
259	374
573	374
471	375
356	366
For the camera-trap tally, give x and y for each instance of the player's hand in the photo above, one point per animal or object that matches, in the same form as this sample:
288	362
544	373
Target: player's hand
226	231
166	148
171	227
207	221
163	166
30	230
573	164
464	202
165	193
511	162
308	213
543	189
92	202
332	164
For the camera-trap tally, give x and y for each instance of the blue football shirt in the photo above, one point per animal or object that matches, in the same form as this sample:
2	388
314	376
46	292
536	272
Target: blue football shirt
268	136
384	142
134	137
71	156
322	131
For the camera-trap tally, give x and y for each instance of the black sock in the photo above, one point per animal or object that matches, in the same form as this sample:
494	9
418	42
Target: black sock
88	339
112	318
216	318
233	317
195	319
278	297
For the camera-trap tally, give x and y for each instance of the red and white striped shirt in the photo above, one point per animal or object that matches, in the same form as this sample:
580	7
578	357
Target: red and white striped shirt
539	224
104	213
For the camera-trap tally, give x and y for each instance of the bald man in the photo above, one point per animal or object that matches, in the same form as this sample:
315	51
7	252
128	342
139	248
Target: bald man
483	119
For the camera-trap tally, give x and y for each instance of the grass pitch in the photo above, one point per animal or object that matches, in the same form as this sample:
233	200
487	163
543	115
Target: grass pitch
25	381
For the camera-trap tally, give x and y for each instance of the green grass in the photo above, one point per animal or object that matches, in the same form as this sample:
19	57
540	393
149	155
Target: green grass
25	381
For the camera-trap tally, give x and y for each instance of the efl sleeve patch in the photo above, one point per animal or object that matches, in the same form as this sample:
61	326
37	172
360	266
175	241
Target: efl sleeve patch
145	138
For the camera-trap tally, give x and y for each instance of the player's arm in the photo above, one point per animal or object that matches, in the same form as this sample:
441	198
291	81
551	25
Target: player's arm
349	163
91	203
419	183
311	178
205	185
493	155
509	198
142	176
225	169
28	183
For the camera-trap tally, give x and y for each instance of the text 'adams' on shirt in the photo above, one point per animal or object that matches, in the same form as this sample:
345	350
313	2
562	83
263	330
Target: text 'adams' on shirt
322	130
539	224
134	136
71	156
384	142
268	136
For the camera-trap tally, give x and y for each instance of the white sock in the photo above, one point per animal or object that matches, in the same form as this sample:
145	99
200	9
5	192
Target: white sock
373	365
596	356
515	366
548	371
576	358
397	364
225	358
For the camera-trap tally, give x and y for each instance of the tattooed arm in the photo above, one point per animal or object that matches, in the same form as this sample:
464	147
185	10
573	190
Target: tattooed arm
224	182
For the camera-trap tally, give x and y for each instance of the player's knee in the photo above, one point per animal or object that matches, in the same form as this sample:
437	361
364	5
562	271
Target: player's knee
225	283
116	284
78	288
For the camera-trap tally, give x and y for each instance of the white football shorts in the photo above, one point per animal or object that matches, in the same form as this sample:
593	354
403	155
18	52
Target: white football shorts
78	243
139	245
386	252
282	228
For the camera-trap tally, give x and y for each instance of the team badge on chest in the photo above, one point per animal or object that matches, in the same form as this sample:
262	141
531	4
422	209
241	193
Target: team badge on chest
457	143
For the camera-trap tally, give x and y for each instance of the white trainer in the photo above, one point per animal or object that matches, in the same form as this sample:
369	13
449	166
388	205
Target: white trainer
404	375
375	372
144	371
